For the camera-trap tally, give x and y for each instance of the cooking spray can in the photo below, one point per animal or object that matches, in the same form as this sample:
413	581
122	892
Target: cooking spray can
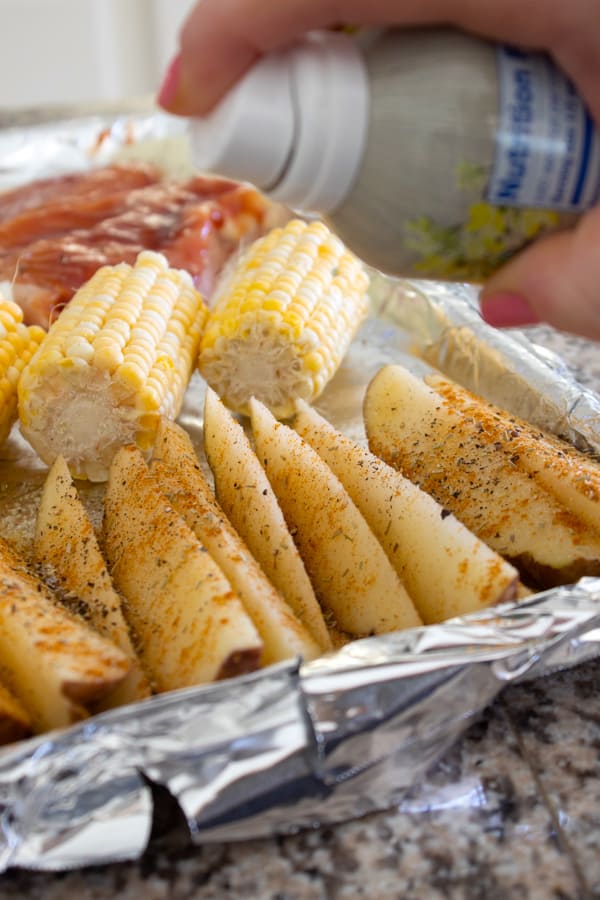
431	153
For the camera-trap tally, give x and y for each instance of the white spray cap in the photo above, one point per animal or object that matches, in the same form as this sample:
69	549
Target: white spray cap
295	125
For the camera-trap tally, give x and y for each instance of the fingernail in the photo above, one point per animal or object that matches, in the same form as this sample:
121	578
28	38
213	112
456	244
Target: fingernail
506	310
170	86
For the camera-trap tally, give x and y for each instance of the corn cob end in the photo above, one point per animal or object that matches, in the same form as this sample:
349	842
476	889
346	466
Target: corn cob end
118	357
283	320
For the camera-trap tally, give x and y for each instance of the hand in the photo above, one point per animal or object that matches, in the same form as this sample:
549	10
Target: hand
558	278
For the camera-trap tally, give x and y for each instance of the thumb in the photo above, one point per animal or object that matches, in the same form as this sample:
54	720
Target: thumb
556	280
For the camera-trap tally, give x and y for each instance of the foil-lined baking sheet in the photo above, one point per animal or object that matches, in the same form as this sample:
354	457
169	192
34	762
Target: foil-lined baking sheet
296	745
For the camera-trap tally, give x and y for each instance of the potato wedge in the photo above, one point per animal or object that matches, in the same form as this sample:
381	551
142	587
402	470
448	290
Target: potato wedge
190	625
66	547
246	496
570	475
179	476
449	455
348	567
446	569
15	721
53	664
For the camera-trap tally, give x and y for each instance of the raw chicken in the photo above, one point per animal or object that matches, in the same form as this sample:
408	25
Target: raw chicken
48	251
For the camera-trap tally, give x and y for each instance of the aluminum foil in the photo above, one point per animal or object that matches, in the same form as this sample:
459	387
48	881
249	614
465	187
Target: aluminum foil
506	368
296	745
288	748
37	143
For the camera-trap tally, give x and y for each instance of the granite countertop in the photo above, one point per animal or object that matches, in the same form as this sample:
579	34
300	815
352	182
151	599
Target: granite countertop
512	811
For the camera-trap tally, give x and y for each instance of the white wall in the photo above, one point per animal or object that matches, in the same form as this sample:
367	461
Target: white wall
62	51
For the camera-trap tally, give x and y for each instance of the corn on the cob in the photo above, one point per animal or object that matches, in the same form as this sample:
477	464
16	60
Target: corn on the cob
283	320
18	343
118	358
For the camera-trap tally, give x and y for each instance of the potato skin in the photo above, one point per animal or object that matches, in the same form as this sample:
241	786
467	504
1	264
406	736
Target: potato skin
247	498
348	567
446	569
176	468
190	624
66	548
54	665
564	471
15	721
453	457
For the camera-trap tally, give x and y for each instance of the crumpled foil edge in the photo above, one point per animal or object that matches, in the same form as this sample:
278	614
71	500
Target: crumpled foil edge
292	747
503	366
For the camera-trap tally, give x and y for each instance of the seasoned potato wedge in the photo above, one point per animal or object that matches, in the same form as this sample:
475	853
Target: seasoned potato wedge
451	456
15	721
446	570
570	475
53	664
246	496
66	547
190	625
348	567
176	468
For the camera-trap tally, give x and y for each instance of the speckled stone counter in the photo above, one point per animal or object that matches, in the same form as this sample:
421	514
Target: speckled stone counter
512	811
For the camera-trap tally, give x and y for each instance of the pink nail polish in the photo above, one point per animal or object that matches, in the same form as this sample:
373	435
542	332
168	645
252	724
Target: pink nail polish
506	310
169	87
